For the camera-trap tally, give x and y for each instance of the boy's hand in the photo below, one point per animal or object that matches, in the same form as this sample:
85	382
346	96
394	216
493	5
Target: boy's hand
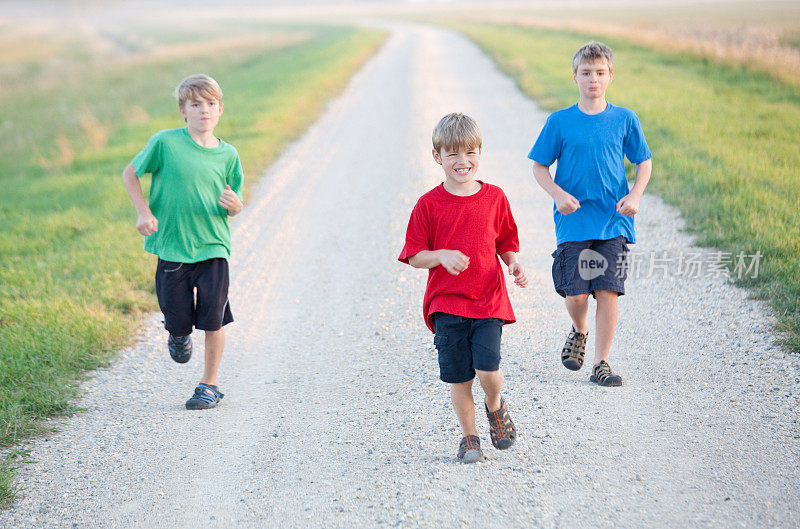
566	203
230	201
147	224
453	261
628	205
515	269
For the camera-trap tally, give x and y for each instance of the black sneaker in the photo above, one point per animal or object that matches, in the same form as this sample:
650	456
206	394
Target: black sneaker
469	449
501	427
205	396
180	348
603	375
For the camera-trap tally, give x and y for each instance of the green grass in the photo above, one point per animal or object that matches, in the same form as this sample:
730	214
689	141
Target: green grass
724	141
74	280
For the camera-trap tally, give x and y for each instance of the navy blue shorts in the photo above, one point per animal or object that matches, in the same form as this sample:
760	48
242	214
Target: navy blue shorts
581	267
209	310
466	344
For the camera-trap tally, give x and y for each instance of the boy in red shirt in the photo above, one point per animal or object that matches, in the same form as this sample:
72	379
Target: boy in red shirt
456	231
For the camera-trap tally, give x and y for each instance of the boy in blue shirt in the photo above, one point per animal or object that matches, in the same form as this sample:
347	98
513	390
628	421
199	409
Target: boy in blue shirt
594	207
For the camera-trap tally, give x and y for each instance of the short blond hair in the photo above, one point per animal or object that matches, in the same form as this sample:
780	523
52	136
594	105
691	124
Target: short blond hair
591	52
456	131
196	86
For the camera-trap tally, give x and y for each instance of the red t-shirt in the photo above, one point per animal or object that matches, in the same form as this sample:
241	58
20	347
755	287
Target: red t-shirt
481	227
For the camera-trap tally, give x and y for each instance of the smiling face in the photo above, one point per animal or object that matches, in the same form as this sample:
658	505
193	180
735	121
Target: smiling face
593	79
201	114
460	166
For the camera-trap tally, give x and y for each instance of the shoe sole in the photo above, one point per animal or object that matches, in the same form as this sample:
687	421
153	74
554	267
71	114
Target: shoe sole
200	406
615	383
504	444
472	456
572	365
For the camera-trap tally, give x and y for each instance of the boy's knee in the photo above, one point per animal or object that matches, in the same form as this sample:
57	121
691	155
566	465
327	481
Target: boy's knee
606	294
462	386
578	299
490	378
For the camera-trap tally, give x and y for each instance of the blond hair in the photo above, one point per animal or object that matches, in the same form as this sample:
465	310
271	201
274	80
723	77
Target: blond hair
455	132
593	51
196	86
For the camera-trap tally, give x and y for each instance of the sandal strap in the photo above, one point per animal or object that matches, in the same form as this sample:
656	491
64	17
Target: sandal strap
470	442
575	346
201	393
500	423
602	371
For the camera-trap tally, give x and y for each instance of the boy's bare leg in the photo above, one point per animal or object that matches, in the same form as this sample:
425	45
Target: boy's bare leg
215	344
464	405
606	323
492	383
578	308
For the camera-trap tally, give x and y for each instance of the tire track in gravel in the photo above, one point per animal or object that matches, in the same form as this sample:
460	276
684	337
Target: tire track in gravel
333	415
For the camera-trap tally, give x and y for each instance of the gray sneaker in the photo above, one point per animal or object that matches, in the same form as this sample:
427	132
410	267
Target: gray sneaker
469	450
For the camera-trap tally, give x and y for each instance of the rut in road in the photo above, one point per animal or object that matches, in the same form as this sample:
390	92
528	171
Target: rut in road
333	414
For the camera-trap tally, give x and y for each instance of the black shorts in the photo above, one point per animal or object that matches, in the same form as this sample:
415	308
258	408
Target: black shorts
582	267
175	288
466	344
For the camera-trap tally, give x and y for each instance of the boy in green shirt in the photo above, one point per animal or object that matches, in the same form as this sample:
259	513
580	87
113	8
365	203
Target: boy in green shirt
196	185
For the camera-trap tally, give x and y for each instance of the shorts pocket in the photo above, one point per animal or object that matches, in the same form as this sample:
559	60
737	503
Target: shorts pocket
451	363
170	267
559	276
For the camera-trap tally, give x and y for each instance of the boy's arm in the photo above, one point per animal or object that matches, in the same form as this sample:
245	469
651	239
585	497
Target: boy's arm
629	204
514	268
565	203
146	224
453	261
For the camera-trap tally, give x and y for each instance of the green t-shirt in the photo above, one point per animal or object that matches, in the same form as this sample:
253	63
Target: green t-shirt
188	180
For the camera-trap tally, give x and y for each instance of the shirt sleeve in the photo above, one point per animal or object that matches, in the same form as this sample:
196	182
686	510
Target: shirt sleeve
417	234
634	145
547	148
149	159
235	177
507	235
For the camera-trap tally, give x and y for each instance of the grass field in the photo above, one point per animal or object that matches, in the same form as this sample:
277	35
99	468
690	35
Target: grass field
74	281
762	36
724	140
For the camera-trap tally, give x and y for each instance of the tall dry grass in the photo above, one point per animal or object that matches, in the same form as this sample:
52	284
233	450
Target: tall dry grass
757	47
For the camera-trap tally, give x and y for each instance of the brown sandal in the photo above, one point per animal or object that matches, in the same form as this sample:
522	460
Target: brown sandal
603	375
501	427
574	350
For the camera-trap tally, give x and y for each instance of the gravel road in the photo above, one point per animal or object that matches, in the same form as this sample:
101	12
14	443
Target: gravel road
333	414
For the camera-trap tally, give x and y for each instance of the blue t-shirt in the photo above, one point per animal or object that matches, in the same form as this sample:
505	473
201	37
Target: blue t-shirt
590	150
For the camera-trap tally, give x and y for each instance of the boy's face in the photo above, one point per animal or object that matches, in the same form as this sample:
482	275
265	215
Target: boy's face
460	166
593	79
201	115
